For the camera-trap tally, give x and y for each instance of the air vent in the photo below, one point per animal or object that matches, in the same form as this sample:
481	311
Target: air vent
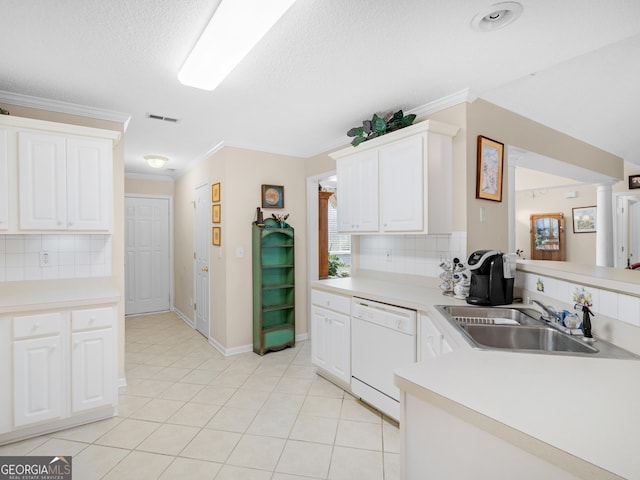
153	116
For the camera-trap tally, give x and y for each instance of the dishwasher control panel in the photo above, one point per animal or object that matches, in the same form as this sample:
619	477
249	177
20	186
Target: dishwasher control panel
389	316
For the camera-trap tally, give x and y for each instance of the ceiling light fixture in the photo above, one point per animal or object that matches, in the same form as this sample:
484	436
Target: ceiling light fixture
496	16
235	28
156	161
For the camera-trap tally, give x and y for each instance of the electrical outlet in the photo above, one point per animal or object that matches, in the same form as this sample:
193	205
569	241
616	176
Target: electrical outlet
47	259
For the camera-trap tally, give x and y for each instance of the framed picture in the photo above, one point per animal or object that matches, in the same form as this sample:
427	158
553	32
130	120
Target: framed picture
634	181
272	196
215	236
584	219
489	170
215	213
215	192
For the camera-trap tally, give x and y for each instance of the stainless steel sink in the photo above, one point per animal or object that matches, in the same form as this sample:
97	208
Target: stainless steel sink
538	338
522	330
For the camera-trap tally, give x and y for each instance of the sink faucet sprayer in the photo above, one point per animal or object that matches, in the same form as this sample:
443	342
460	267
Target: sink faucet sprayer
586	318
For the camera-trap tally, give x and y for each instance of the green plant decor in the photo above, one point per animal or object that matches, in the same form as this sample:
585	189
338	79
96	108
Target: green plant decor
378	126
334	265
4	112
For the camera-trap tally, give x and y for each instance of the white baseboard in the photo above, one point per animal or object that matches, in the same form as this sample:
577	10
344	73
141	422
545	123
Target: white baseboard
184	318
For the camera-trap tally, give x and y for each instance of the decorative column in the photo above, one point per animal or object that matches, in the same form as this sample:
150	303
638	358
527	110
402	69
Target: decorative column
604	225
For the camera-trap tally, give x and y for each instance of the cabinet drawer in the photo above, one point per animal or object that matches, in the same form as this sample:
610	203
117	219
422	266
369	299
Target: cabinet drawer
334	302
36	325
91	318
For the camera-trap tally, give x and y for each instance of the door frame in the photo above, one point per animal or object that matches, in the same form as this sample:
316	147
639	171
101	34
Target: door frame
170	199
312	235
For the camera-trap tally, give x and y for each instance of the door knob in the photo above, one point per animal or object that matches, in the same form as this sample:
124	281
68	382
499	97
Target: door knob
205	269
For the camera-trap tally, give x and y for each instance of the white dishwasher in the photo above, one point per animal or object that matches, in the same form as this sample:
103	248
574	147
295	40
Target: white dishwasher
383	338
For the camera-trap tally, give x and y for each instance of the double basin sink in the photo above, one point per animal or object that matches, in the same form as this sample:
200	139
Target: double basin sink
523	330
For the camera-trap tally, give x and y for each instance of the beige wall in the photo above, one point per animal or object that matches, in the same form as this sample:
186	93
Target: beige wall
117	263
241	174
163	186
484	118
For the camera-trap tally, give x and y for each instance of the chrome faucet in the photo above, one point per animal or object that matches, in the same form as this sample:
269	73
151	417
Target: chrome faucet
551	313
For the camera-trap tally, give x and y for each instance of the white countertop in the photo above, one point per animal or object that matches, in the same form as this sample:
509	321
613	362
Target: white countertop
53	294
586	407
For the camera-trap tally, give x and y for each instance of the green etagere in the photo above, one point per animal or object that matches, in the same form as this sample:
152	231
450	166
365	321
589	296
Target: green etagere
273	287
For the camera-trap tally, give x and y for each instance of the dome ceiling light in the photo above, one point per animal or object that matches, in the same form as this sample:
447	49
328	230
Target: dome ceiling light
496	16
156	161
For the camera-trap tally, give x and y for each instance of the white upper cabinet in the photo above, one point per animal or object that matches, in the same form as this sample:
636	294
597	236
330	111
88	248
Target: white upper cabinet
59	177
4	181
89	184
398	183
42	179
358	182
401	185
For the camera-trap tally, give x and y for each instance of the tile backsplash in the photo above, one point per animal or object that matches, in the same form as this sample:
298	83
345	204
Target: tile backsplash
52	256
411	254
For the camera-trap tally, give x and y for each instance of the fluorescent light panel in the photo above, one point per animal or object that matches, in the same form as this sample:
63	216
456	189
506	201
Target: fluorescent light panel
235	28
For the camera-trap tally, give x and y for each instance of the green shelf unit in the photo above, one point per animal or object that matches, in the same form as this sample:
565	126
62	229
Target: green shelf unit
273	287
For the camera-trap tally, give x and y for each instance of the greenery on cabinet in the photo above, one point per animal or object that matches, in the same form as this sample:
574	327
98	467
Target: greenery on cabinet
273	286
4	112
378	126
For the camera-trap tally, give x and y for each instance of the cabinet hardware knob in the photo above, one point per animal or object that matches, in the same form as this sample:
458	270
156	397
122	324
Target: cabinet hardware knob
205	269
36	325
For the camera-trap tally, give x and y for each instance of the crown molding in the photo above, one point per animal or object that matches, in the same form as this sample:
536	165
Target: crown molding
64	107
199	159
461	96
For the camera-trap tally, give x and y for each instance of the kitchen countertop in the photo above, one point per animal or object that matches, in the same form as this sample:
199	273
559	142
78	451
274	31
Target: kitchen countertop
54	294
579	411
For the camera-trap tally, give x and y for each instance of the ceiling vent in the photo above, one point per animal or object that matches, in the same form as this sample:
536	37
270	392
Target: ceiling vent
153	116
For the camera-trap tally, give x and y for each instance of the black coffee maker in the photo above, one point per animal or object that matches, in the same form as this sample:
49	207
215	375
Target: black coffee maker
489	284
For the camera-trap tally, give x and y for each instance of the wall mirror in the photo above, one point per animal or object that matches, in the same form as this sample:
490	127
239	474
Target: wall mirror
547	236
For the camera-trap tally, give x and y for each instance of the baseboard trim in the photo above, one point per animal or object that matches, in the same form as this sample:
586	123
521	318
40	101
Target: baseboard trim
122	382
184	318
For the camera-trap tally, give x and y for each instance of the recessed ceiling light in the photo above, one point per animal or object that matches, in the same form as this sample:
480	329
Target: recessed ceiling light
156	161
496	16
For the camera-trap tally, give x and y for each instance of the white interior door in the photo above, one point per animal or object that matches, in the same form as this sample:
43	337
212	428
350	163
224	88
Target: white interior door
147	265
201	229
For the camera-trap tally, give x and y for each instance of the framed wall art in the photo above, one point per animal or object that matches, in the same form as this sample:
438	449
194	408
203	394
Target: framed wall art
215	213
215	192
215	236
584	219
272	196
489	170
634	181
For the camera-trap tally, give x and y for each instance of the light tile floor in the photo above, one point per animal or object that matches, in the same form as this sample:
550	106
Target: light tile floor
189	412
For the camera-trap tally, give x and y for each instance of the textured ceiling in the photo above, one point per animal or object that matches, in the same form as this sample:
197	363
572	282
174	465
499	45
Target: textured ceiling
327	65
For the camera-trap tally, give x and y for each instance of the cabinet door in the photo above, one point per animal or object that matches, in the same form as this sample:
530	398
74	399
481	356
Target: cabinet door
4	180
319	340
401	185
89	184
92	369
340	346
42	181
358	192
432	341
37	378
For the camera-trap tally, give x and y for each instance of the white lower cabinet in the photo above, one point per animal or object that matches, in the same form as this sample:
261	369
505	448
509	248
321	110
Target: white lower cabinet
92	359
432	342
63	365
331	334
37	374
